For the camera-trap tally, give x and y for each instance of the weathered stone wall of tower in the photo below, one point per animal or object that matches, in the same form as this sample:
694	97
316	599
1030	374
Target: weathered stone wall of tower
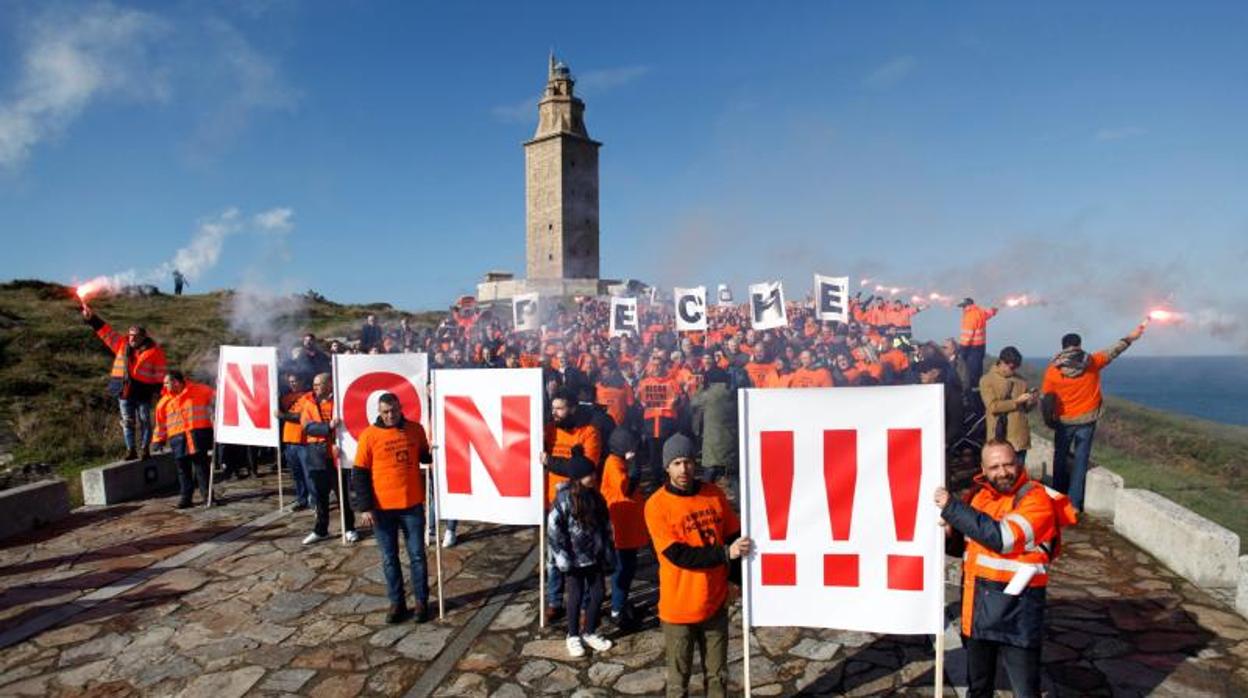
543	214
580	209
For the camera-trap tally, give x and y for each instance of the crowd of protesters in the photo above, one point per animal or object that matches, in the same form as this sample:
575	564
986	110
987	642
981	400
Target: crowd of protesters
630	416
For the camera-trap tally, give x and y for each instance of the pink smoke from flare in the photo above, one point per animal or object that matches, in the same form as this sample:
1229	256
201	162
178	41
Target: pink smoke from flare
1163	315
1021	301
100	284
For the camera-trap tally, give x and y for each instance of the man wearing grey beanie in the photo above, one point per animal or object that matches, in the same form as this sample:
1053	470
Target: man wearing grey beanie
697	537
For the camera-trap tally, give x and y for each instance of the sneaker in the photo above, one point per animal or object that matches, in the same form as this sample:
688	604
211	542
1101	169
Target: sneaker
183	504
299	506
147	453
314	537
421	612
352	537
597	642
553	613
130	455
448	539
397	614
575	649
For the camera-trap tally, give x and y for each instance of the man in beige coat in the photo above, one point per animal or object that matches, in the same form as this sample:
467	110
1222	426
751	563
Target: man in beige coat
1007	398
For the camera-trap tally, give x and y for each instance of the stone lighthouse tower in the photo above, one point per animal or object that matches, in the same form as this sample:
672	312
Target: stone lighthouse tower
561	200
561	185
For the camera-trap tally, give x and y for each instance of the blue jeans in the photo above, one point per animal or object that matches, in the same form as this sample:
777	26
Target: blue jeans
132	410
622	579
451	524
1070	479
293	455
386	526
554	584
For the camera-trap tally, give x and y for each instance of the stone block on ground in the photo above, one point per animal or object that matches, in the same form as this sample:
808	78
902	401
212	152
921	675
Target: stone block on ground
1195	547
124	481
1101	492
33	505
1241	595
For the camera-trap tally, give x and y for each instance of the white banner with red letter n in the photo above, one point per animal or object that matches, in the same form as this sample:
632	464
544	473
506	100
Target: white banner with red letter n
488	444
247	396
837	488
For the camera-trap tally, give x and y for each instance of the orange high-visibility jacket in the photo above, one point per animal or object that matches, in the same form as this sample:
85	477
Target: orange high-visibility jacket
146	365
628	513
1008	534
559	443
178	416
975	325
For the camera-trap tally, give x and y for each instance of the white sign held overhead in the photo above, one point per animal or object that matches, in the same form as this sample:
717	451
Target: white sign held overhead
247	396
359	382
525	312
488	445
723	296
837	490
690	309
767	306
624	320
832	298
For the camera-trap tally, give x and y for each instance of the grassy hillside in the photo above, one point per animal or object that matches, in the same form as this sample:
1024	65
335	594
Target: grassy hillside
54	407
1199	464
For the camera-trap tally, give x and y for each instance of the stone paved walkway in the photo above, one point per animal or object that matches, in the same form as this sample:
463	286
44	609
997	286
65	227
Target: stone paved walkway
264	615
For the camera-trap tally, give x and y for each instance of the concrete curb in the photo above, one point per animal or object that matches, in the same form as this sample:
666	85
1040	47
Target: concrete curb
1198	549
32	505
123	481
1201	551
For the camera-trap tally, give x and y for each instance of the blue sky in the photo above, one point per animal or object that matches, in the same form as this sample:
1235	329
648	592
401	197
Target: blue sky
1093	155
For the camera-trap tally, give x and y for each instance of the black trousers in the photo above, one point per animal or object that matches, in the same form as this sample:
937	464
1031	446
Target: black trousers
192	468
1022	667
584	586
322	482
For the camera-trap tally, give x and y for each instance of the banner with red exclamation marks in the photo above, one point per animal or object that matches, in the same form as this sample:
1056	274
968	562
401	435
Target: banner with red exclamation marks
836	491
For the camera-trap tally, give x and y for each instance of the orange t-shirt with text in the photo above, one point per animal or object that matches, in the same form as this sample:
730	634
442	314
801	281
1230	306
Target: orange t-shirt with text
699	519
393	456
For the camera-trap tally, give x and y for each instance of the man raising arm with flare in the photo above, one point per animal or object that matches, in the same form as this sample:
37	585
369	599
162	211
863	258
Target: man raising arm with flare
1072	402
138	369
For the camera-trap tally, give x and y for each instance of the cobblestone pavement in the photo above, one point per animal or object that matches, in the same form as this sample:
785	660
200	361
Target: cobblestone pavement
148	606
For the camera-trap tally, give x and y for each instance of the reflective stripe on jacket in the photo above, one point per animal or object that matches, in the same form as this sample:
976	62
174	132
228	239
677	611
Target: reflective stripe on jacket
1008	534
975	325
145	364
185	420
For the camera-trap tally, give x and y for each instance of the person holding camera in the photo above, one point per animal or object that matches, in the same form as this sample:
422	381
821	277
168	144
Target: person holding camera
1007	401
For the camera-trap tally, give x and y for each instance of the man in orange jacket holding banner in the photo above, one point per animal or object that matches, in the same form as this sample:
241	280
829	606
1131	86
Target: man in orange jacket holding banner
1012	526
184	422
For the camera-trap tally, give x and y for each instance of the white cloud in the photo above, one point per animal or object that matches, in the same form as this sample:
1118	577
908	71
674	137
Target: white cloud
275	220
246	81
519	112
891	73
70	60
1117	134
609	78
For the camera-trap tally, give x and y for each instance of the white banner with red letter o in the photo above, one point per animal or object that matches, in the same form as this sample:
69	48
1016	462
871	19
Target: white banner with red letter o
359	382
488	445
247	396
837	487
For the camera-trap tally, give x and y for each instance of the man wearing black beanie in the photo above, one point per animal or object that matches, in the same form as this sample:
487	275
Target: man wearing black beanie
696	537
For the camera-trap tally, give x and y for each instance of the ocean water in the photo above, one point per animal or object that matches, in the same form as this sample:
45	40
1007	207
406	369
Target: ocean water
1209	387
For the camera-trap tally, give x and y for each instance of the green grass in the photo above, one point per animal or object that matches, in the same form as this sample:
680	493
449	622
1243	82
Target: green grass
1198	464
54	407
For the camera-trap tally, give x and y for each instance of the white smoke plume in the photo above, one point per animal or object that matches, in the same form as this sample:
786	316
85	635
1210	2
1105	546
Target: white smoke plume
202	253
